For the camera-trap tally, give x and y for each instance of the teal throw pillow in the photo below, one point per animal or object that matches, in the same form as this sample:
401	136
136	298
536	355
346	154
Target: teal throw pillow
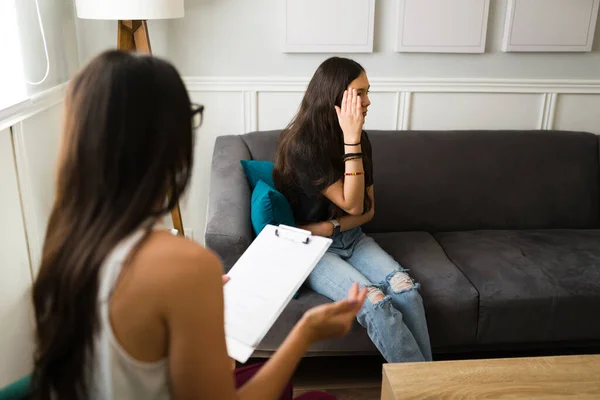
268	206
258	170
19	390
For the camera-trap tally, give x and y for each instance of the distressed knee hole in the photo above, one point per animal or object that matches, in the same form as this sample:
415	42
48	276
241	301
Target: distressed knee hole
400	282
375	295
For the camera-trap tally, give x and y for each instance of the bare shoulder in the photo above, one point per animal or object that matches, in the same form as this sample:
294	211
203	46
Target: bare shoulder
170	262
162	245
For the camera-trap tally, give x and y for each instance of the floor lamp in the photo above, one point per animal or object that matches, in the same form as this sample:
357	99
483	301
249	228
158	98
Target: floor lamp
132	33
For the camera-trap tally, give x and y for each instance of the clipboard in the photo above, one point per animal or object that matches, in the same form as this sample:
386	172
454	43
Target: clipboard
263	282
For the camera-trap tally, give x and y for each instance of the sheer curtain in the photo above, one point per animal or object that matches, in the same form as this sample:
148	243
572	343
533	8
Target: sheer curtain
23	49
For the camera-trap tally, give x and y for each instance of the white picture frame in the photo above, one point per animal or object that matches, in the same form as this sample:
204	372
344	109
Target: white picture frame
558	26
442	26
329	26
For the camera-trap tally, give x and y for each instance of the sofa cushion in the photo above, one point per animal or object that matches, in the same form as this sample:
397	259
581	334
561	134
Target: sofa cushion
450	300
467	180
443	181
536	285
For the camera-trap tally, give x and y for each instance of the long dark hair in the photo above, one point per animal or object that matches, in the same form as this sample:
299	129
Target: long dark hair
311	148
127	142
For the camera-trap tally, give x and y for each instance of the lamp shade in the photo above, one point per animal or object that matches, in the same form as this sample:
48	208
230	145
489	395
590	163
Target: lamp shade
129	9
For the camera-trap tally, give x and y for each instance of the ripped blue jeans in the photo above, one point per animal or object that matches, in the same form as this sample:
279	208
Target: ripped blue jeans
393	313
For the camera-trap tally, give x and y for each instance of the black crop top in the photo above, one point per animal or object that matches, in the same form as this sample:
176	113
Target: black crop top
304	195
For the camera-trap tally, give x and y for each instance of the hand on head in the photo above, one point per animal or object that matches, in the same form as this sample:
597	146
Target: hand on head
350	116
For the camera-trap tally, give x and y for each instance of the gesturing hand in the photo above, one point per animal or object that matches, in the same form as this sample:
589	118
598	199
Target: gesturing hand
334	319
350	116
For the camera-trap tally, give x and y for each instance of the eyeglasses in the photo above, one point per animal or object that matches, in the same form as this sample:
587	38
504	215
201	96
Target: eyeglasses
197	115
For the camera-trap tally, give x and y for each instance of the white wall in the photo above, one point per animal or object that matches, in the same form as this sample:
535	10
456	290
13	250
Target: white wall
244	38
28	150
58	19
16	337
230	52
36	142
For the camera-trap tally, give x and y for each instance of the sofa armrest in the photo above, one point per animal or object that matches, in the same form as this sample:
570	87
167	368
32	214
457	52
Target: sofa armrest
228	229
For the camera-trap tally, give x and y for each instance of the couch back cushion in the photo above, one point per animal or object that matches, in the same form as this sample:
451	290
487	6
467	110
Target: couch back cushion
465	180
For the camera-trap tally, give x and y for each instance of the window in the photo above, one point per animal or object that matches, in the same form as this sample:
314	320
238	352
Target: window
12	80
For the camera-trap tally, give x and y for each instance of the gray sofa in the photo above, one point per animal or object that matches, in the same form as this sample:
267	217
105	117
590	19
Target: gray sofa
501	228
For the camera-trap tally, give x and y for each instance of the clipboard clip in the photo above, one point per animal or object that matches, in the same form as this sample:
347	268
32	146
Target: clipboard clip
294	234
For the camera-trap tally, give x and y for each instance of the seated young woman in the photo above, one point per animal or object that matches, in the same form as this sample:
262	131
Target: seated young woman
324	167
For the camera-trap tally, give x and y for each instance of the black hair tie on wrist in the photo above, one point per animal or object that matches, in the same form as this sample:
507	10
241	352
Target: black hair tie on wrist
356	144
348	155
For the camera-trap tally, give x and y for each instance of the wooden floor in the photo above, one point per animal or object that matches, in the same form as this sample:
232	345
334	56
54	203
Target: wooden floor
350	393
348	378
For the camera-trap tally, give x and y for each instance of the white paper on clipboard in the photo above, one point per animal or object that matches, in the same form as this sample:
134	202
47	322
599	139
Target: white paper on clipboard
263	281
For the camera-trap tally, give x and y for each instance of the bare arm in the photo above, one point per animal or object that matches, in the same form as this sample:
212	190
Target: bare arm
347	222
198	362
348	194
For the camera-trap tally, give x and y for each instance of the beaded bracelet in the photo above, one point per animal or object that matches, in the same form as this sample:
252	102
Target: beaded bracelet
354	173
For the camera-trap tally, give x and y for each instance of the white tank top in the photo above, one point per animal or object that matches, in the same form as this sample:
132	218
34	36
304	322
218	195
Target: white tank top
114	373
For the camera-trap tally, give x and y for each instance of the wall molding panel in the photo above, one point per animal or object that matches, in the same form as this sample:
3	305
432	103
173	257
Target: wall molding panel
298	84
555	26
442	26
250	110
549	111
36	104
270	103
36	140
256	90
329	26
26	193
404	102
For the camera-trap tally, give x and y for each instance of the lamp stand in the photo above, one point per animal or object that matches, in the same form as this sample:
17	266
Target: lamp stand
133	36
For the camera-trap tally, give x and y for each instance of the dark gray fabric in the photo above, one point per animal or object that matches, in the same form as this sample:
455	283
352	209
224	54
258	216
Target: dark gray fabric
522	286
357	341
228	229
467	180
451	302
539	285
262	145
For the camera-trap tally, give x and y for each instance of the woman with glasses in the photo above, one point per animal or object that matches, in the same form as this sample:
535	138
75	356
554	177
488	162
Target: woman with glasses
124	310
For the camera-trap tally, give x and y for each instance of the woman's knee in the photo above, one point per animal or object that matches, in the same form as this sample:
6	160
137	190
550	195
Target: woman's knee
401	282
375	294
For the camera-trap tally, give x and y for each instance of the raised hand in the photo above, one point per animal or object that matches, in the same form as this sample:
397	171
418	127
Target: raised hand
350	116
334	319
